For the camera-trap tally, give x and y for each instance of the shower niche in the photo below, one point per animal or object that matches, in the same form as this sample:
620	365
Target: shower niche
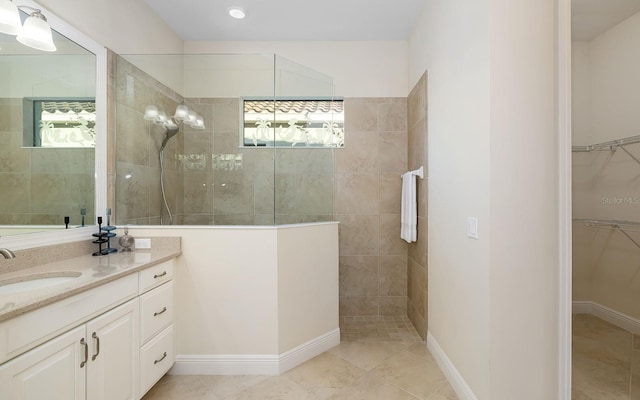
197	168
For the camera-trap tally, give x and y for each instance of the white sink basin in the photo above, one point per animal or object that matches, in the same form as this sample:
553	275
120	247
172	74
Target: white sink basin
35	282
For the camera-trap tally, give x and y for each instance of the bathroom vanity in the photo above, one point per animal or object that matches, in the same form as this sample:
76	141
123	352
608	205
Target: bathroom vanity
95	328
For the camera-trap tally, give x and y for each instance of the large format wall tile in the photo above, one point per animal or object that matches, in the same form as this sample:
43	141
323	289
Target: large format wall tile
358	234
417	252
356	194
358	276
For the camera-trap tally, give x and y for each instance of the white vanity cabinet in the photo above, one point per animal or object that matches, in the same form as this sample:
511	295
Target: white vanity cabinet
97	360
96	345
51	371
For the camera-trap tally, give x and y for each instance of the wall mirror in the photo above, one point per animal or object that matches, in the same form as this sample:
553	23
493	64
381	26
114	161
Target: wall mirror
53	133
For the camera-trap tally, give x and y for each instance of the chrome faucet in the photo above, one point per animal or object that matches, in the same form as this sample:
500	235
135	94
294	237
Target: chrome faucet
7	253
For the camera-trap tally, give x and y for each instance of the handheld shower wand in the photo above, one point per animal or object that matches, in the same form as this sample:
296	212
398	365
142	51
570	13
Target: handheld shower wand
168	134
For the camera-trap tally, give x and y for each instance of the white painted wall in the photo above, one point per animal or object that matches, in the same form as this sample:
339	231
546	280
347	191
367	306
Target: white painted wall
581	95
492	155
49	75
614	66
451	41
359	69
525	209
124	26
252	290
307	283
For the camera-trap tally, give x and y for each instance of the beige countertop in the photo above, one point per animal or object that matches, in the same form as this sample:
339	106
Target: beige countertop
91	271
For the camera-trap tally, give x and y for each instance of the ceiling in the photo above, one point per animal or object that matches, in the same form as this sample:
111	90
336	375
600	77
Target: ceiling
289	20
591	18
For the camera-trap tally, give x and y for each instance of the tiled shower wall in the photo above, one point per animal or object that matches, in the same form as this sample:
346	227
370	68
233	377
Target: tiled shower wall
137	142
358	185
417	252
373	258
41	186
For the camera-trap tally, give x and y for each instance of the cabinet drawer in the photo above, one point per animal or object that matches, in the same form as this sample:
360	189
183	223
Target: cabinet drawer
155	276
156	311
156	358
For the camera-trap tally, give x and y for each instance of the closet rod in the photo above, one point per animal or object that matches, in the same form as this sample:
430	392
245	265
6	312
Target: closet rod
610	145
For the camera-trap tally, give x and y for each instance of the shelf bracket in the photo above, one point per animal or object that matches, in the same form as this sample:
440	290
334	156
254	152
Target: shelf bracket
627	151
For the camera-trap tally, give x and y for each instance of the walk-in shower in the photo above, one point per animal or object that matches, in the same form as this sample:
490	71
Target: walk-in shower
256	146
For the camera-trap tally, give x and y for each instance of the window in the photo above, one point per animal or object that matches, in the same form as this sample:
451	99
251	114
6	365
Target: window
59	122
293	123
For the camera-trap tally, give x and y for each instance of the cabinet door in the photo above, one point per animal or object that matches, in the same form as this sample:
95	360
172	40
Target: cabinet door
51	371
113	372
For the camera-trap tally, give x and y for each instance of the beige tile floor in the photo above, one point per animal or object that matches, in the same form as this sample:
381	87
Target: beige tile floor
606	361
380	358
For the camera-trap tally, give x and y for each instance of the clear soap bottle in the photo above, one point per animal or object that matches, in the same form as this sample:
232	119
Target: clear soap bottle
126	241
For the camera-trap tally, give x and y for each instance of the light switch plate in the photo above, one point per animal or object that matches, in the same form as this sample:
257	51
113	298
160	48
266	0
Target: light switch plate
472	227
143	243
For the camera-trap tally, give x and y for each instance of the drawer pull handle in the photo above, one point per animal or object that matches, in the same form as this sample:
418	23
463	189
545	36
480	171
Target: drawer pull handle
155	314
86	352
160	275
161	358
93	358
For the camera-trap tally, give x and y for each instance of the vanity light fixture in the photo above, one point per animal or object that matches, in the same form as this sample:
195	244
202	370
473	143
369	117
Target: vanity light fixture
35	33
237	12
183	113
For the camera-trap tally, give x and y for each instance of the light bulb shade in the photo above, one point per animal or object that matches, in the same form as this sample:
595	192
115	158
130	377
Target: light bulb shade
150	113
36	33
9	18
199	123
182	112
162	118
191	118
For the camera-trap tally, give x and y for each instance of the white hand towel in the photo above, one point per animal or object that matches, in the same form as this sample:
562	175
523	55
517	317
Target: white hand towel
409	210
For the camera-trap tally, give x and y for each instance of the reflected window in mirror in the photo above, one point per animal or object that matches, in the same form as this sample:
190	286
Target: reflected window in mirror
59	122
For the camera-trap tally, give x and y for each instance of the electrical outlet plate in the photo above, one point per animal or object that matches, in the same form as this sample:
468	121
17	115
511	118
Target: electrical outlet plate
143	243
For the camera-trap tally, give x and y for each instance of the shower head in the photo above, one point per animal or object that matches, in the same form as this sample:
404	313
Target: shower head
168	134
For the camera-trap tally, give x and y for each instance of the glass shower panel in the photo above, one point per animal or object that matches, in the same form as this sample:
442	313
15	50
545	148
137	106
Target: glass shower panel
173	171
238	183
204	176
303	174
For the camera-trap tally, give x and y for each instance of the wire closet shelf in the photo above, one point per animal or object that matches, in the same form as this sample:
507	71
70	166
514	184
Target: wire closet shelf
623	226
611	145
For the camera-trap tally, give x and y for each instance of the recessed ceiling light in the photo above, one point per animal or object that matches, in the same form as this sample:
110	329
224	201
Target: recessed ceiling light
237	12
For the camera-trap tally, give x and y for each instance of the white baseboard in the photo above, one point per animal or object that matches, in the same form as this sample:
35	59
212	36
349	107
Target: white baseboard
458	383
612	316
240	364
306	351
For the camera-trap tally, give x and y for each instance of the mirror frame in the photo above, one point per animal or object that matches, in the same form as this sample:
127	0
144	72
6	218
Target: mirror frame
30	240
